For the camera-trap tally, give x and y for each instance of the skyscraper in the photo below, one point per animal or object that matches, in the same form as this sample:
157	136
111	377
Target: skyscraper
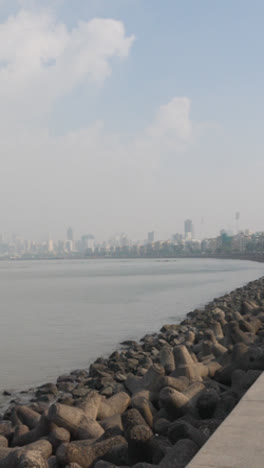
188	229
70	234
150	237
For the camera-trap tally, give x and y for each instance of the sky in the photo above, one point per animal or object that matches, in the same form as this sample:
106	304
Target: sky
130	116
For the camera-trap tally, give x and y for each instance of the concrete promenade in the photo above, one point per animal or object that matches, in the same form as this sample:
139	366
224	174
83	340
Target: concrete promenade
239	441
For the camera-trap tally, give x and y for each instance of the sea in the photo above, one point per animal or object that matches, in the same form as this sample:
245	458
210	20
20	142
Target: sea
60	315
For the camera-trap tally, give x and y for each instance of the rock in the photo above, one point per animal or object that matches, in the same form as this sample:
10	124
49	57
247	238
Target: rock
42	429
225	405
103	464
28	417
241	380
90	404
3	441
145	407
159	446
118	455
25	460
161	426
33	456
117	404
179	383
180	455
167	359
19	431
174	402
47	388
66	386
89	429
113	421
52	462
80	392
183	430
73	465
58	436
206	403
6	428
130	419
65	378
184	365
85	452
139	447
11	415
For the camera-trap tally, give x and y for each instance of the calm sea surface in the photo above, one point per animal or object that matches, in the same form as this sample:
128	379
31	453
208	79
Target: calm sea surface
60	315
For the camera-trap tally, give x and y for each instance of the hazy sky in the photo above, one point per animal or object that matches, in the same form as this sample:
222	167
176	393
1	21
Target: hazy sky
130	116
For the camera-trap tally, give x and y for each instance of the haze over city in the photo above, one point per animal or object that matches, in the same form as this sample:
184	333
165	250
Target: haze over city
130	116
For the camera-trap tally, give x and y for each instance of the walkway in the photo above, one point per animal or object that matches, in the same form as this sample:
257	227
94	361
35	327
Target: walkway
239	441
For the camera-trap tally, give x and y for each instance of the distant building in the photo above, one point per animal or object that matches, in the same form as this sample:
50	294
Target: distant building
124	242
188	229
69	246
70	234
50	246
177	237
151	236
87	242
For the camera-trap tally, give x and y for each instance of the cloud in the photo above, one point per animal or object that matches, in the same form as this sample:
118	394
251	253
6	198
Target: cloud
42	60
90	173
172	120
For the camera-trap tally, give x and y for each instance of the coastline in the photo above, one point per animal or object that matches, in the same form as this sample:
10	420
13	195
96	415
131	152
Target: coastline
150	401
254	257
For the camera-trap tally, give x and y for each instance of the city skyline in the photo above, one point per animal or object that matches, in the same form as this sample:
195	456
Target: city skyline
187	233
121	246
197	232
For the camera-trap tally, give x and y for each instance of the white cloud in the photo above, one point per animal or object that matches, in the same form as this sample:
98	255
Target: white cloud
172	120
51	181
41	60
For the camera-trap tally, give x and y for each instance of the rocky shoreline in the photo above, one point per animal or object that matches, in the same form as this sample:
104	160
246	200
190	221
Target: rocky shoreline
150	404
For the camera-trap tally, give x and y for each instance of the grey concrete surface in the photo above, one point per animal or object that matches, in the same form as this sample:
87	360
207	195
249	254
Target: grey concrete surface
239	441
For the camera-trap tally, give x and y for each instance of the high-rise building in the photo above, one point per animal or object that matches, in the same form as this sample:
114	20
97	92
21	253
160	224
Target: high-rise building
177	237
188	229
87	242
124	242
50	246
70	234
151	236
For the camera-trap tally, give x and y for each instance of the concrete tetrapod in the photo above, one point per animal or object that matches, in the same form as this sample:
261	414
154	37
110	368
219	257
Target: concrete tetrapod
90	404
27	416
18	432
86	453
180	455
139	446
3	441
145	407
42	429
184	365
75	421
37	453
166	358
117	404
175	403
58	436
130	419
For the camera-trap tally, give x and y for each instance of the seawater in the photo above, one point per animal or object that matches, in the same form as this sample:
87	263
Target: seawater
57	316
